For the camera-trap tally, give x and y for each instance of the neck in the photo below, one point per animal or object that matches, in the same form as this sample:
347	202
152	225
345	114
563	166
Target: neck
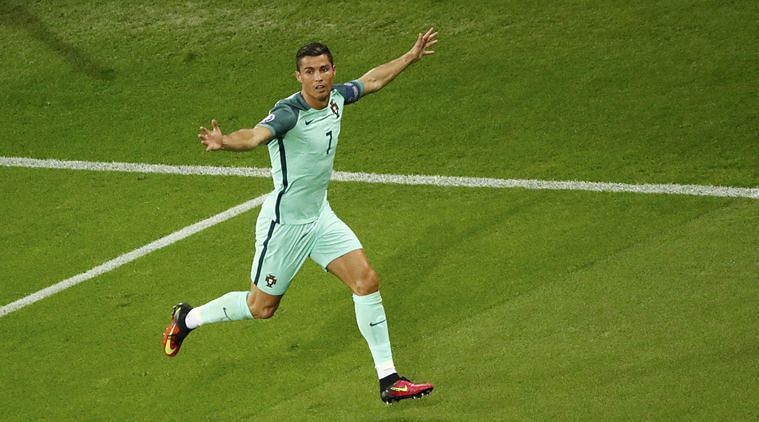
315	102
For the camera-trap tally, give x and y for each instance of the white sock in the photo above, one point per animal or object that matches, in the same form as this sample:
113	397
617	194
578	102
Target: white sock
372	322
192	320
385	369
232	306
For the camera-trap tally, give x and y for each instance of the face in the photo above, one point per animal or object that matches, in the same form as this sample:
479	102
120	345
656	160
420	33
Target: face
315	75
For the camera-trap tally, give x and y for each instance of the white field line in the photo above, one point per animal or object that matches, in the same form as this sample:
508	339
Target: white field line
480	182
668	189
133	255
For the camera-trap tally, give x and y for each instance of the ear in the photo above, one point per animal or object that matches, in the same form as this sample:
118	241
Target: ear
297	76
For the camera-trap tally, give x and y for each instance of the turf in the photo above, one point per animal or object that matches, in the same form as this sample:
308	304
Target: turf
110	214
655	92
517	304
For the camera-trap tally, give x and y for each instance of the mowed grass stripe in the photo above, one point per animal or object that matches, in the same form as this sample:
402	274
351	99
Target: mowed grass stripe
132	255
451	181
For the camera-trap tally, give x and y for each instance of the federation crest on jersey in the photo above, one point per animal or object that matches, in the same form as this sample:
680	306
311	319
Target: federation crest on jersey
271	280
335	109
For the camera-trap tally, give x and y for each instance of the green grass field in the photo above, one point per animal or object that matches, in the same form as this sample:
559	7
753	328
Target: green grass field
518	304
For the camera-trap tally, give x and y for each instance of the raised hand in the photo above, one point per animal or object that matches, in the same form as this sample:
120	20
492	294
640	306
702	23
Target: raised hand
211	139
422	45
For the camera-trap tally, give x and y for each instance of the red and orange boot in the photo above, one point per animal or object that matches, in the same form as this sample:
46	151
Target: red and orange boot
402	389
177	330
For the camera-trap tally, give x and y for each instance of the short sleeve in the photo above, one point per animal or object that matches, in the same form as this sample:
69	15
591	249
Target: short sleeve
351	91
281	119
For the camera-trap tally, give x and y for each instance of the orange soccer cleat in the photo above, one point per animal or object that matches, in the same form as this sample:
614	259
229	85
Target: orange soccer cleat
177	330
403	388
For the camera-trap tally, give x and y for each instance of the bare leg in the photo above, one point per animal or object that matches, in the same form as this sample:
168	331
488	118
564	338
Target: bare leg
262	305
354	270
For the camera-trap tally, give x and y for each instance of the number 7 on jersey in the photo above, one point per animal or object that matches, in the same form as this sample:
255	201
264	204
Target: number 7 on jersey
330	141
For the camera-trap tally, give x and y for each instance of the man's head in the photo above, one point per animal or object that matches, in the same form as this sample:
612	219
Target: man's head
313	49
315	71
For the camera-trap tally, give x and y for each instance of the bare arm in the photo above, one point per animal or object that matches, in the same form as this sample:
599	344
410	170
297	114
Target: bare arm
377	78
241	140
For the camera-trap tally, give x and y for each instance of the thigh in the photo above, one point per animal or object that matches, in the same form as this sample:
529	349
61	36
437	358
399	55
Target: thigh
333	239
354	270
280	253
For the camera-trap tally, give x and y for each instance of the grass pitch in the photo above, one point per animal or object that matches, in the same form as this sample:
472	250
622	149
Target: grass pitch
516	304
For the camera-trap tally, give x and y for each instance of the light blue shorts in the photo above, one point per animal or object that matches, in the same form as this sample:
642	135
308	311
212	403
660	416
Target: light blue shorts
281	249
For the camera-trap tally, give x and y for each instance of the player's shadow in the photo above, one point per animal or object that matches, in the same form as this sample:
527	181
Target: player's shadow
20	17
418	277
418	280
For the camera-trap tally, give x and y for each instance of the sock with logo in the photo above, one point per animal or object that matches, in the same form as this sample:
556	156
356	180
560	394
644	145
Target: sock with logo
372	322
233	306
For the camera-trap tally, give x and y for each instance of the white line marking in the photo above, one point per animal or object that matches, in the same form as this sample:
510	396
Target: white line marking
133	167
133	255
479	182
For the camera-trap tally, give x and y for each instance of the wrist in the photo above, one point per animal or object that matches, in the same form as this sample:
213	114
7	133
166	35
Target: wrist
409	58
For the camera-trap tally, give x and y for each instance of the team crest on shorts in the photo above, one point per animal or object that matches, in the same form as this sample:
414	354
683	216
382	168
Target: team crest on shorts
271	280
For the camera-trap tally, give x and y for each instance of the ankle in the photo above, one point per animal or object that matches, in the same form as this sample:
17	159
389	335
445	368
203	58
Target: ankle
388	381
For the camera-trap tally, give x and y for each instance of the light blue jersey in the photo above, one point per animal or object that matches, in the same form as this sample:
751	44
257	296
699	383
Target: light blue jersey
302	153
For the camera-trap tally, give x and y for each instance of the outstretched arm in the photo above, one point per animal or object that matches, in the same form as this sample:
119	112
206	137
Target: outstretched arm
377	78
241	140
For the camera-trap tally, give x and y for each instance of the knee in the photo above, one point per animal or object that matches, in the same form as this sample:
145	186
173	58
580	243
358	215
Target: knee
367	284
261	311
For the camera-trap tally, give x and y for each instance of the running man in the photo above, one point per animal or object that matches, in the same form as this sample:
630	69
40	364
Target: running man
296	221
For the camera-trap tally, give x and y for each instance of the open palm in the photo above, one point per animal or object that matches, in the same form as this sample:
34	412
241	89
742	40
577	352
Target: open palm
212	139
423	43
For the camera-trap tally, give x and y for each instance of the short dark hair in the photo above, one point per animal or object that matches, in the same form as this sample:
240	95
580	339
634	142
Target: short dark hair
312	49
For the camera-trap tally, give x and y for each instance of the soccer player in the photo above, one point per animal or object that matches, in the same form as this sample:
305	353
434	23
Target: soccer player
296	221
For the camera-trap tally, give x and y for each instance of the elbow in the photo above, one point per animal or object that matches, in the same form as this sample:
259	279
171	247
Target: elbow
373	85
253	143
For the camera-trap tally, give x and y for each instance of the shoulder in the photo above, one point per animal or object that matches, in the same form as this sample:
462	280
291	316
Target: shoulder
294	103
284	115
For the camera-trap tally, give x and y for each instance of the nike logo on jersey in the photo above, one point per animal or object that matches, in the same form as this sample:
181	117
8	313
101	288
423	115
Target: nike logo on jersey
372	324
308	122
